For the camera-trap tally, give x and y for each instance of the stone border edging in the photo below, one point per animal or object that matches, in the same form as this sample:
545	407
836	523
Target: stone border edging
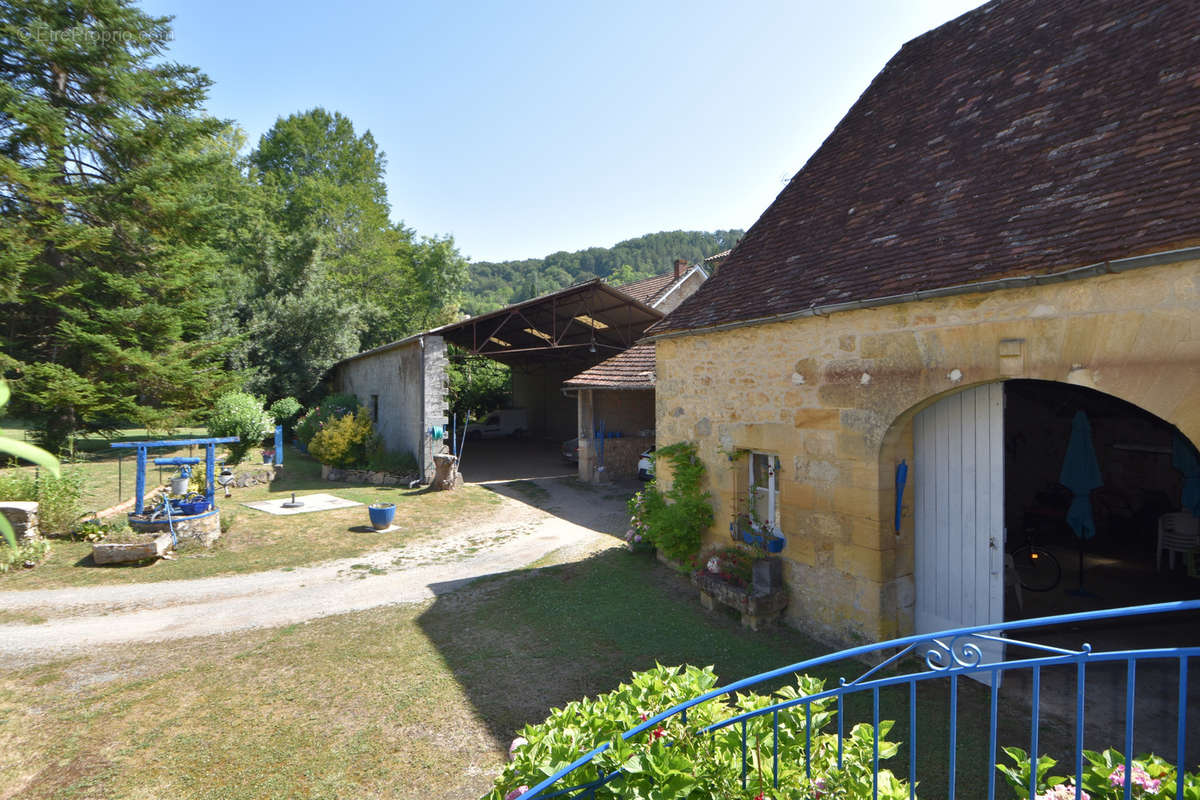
329	473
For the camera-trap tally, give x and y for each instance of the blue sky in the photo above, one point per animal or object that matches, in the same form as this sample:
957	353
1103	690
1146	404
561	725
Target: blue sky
526	128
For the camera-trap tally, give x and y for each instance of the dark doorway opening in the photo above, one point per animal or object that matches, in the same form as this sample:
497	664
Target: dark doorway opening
1134	451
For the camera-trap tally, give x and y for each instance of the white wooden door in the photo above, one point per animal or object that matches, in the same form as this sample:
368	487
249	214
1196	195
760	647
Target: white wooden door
959	493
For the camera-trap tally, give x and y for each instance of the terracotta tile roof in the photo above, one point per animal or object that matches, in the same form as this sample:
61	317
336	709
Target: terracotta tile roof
647	290
1024	137
631	369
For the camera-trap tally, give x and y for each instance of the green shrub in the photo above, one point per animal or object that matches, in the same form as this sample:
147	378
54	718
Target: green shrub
395	463
335	405
1103	777
58	496
675	520
96	530
25	553
674	760
18	484
345	442
285	411
59	501
240	414
28	452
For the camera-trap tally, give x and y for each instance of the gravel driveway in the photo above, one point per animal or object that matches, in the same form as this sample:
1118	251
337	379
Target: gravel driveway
570	522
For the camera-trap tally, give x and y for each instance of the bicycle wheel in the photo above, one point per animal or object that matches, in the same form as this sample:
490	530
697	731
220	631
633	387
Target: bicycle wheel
1037	569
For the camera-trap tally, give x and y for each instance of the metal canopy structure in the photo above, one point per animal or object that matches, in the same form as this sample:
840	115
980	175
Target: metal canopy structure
587	322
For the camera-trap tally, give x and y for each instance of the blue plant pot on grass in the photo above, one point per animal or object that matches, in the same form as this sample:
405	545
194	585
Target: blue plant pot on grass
382	515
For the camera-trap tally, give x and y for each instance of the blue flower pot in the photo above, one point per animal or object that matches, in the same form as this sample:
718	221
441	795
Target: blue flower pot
382	515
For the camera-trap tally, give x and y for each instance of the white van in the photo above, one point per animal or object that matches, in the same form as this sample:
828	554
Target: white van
505	422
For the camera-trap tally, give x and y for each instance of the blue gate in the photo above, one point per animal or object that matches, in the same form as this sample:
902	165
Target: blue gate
945	656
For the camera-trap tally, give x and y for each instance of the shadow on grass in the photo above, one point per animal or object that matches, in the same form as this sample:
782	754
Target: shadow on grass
88	561
522	643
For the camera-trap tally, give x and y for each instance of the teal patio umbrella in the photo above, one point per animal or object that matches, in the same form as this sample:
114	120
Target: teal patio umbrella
1081	474
1185	459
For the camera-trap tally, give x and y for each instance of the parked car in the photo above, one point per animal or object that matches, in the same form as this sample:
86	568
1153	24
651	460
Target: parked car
505	422
646	466
570	450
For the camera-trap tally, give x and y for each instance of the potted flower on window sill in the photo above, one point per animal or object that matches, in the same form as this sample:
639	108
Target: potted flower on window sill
746	529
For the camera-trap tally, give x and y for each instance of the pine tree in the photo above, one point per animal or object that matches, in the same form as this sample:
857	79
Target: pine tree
110	187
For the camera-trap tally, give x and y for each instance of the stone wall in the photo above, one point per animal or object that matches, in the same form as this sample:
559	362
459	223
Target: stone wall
202	530
834	397
23	516
407	384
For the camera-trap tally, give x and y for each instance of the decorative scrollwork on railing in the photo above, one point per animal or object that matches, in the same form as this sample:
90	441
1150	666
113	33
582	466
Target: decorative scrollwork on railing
960	653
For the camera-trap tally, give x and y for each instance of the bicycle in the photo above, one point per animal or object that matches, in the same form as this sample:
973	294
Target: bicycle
1037	568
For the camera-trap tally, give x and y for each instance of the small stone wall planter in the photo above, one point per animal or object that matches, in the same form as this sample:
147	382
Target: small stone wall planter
757	608
119	552
329	473
23	516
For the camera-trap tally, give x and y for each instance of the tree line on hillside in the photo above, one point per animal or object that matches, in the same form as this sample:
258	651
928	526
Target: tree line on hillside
495	284
150	262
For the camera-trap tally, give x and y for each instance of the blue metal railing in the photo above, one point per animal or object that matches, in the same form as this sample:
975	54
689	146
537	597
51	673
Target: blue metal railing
946	655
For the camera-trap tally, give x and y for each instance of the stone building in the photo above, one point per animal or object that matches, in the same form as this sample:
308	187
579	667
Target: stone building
1000	233
615	398
544	340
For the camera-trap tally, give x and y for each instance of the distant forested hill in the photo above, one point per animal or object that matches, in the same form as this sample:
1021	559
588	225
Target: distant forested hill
492	285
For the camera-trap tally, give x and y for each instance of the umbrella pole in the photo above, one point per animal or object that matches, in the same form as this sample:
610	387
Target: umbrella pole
1079	591
1082	544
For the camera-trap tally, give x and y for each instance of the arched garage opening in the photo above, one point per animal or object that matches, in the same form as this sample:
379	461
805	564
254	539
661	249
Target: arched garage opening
991	491
1141	462
990	488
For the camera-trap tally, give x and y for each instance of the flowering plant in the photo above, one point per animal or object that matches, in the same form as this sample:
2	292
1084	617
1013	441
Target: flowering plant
734	565
1103	777
672	758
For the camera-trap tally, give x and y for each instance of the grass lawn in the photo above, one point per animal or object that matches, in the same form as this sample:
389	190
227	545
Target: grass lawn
404	702
258	541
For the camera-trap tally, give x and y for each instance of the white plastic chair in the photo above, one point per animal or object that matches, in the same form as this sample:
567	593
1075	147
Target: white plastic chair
1178	532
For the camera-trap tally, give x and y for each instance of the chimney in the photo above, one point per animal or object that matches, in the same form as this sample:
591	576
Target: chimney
680	266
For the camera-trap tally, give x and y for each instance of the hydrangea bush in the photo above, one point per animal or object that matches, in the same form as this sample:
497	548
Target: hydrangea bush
1103	777
673	760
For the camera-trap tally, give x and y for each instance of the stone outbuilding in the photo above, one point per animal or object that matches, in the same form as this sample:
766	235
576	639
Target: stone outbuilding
544	340
1000	233
616	397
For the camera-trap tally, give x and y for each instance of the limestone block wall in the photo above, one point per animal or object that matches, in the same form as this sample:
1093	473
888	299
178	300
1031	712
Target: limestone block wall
834	397
23	516
436	404
629	412
410	382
